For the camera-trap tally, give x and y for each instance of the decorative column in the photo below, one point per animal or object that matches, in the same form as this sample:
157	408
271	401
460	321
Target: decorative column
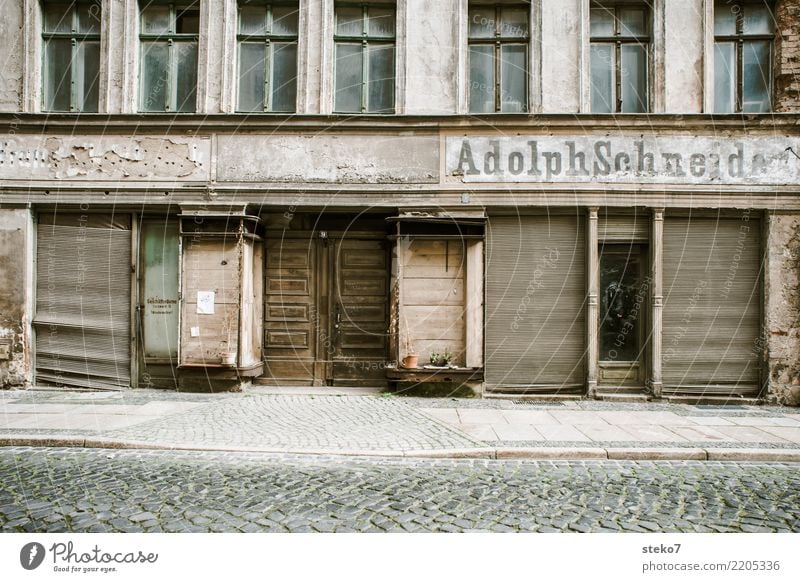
656	274
592	313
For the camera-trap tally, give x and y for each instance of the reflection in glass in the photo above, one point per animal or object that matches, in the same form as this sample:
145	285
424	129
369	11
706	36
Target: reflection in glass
622	304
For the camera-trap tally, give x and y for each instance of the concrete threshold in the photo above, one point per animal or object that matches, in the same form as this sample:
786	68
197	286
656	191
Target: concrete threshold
499	453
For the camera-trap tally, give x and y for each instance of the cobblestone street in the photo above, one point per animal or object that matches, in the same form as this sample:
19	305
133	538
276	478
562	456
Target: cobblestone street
125	491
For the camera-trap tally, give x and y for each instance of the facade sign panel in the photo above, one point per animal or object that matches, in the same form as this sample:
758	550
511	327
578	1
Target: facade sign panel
42	157
655	159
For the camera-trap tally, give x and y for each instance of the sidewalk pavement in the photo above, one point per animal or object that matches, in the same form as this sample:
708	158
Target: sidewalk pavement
334	421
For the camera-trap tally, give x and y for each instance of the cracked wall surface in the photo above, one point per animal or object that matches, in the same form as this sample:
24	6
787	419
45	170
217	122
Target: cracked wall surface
153	158
783	308
14	324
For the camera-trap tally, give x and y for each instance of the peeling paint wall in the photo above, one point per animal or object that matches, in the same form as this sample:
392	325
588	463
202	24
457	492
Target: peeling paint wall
26	157
783	308
11	31
787	56
14	321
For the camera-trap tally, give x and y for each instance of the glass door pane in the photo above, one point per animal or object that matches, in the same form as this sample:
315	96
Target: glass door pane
160	290
622	303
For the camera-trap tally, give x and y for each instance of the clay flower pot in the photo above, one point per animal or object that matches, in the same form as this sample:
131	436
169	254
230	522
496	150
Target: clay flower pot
411	361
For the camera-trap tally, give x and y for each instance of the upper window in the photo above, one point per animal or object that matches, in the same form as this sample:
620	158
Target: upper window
620	44
71	67
743	38
168	38
364	40
268	57
498	59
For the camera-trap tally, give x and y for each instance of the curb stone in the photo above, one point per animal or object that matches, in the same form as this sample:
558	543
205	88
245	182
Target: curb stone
500	453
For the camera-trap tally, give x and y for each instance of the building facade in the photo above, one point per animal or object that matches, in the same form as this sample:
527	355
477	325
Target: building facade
553	198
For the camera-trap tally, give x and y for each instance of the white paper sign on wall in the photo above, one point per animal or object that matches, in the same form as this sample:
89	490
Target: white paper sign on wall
205	302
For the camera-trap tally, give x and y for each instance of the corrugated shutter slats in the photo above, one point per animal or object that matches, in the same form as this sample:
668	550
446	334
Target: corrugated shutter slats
83	303
712	295
535	309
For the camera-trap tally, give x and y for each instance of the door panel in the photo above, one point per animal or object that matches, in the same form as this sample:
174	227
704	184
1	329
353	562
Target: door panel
623	305
290	310
159	303
360	312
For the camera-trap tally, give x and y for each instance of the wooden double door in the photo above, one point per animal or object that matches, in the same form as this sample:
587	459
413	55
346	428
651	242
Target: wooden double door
326	309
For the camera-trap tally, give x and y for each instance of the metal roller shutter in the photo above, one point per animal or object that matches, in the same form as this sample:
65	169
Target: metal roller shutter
712	296
535	308
83	301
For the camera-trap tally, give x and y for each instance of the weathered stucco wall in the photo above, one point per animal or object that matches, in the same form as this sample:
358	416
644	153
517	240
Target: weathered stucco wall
561	56
683	56
15	227
11	32
783	308
787	55
431	58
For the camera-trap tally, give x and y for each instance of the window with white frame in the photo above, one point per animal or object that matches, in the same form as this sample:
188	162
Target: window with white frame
743	38
364	55
619	55
168	36
268	56
498	58
71	63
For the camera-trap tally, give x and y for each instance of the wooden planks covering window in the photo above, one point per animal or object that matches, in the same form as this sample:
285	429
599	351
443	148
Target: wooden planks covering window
535	304
712	298
83	300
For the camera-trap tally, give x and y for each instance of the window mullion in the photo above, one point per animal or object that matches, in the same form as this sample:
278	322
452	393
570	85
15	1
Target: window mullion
740	75
268	74
364	59
498	55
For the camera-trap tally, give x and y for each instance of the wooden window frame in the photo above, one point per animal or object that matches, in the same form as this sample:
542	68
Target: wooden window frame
75	37
267	39
739	39
366	41
171	39
498	42
617	39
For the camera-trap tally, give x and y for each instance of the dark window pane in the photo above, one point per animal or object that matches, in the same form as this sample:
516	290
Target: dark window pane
622	303
634	78
602	22
155	20
284	77
349	78
756	73
58	72
57	18
724	77
89	18
253	20
154	76
725	19
381	79
481	79
349	21
513	76
251	76
186	78
284	20
187	21
514	22
381	22
481	23
633	22
602	65
88	75
757	20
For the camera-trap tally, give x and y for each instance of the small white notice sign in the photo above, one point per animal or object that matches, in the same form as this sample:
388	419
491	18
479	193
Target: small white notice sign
205	302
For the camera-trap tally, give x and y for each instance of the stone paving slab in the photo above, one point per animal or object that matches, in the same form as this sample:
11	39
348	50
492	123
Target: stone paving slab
389	425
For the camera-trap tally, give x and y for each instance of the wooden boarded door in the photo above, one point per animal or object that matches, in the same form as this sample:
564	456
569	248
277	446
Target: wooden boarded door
359	313
326	310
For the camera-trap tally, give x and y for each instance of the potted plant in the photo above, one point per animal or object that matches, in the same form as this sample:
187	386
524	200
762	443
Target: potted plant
411	359
441	360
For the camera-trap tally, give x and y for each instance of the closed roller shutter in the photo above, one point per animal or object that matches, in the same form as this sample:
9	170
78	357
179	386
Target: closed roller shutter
535	309
83	299
712	294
